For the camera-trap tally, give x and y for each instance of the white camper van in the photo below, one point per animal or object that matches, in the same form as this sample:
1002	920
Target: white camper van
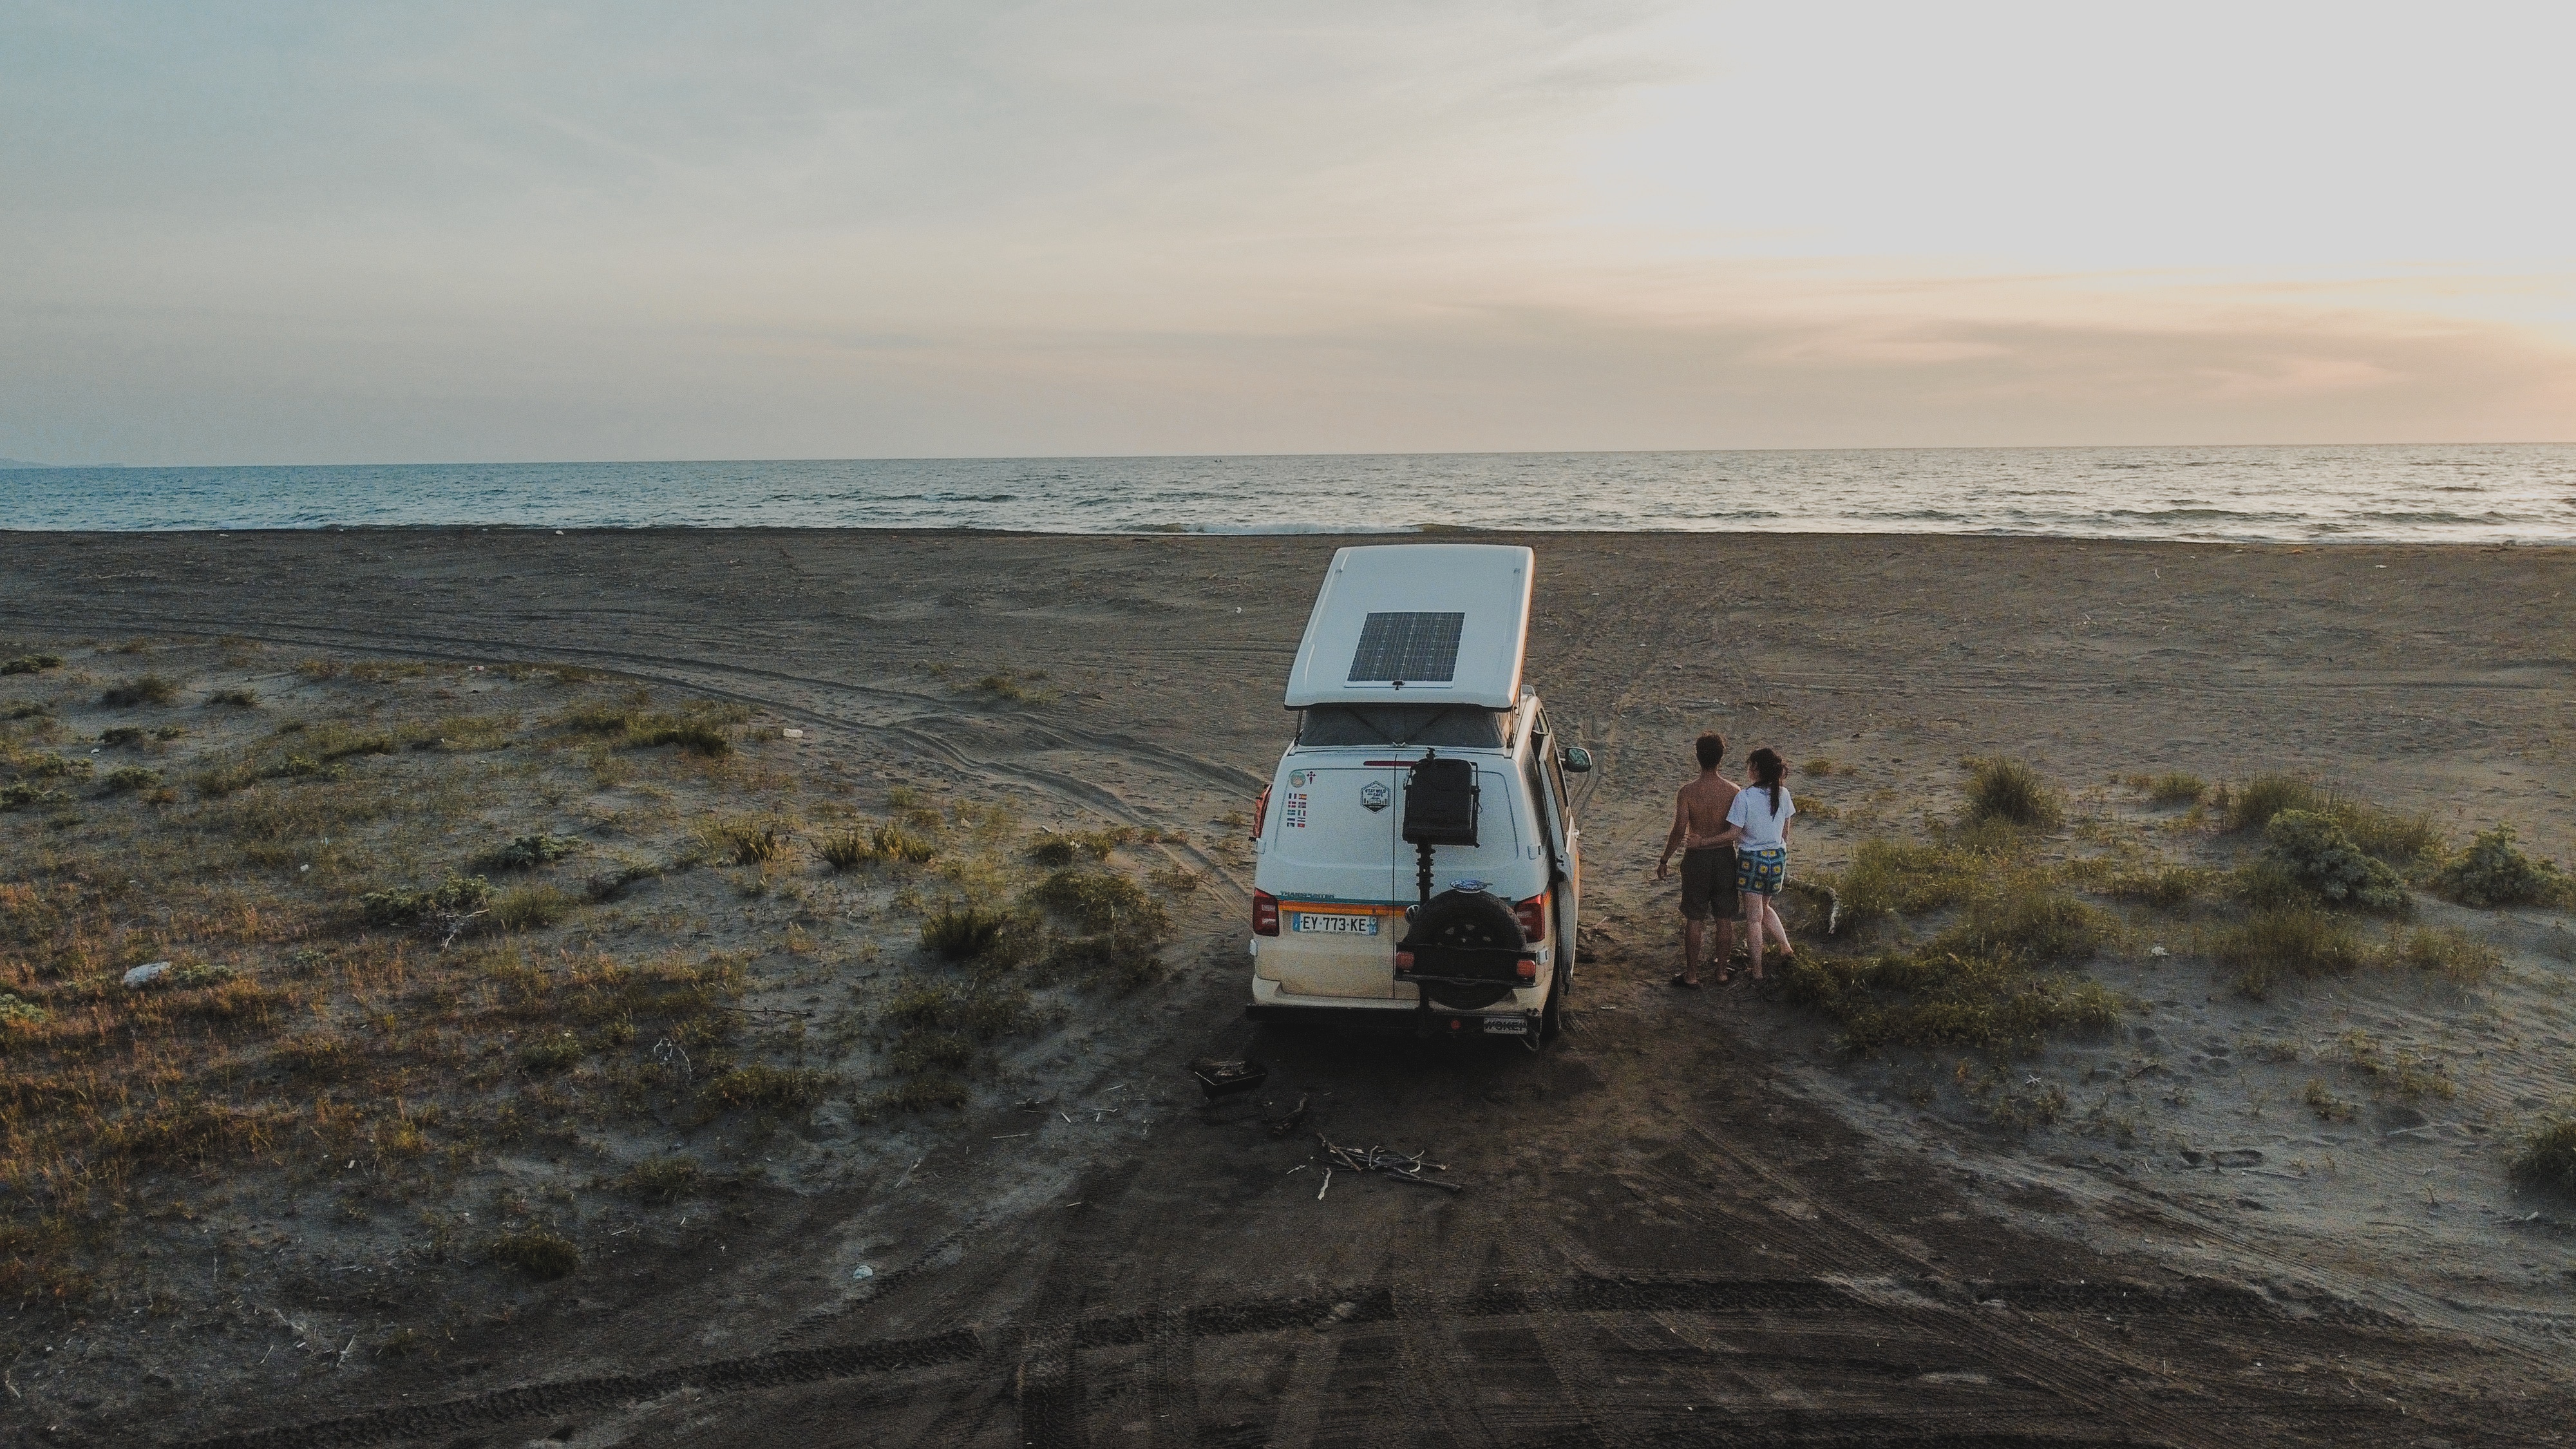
1419	867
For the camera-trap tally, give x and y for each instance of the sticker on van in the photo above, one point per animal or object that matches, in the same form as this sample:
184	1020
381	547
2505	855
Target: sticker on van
1375	795
1295	816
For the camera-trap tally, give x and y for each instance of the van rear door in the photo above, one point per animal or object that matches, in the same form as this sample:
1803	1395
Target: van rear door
1333	864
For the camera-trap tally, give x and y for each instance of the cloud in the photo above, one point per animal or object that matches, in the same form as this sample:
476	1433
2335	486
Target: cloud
298	232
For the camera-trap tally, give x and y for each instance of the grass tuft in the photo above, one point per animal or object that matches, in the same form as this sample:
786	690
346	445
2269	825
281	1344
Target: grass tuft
141	689
559	1053
2454	955
2165	886
2547	1161
2009	790
747	841
530	907
1101	901
32	664
666	1178
2175	788
774	1088
963	932
1990	1002
526	852
2283	942
540	1253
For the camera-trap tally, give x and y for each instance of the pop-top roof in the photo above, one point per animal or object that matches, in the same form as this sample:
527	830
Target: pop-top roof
1438	623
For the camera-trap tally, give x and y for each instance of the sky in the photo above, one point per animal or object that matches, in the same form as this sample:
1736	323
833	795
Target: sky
305	232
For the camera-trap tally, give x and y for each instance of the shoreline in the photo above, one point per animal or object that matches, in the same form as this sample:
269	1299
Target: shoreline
1432	533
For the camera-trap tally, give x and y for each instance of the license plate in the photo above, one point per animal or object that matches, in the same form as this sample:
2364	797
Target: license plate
1507	1026
1336	925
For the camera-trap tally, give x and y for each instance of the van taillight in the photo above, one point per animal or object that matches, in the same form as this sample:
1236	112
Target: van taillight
1260	812
1533	914
1265	912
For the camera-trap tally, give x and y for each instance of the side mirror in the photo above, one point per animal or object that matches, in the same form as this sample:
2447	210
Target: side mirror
1576	759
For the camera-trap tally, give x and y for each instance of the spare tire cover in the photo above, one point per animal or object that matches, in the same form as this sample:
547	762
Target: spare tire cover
1473	920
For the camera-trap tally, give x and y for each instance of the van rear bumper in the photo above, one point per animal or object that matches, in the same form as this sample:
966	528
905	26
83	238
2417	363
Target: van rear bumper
1398	1019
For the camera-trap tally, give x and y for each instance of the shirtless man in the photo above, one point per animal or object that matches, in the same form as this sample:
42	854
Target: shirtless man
1708	867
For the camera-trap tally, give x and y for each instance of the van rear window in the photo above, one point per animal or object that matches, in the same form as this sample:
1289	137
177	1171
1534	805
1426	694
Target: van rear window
1458	726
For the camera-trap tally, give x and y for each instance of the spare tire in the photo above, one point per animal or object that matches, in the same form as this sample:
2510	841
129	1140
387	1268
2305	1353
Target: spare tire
1466	948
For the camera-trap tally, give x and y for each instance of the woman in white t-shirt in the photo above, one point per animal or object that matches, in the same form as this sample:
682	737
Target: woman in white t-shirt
1758	823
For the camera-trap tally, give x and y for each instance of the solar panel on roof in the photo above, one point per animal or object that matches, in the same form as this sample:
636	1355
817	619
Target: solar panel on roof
1409	647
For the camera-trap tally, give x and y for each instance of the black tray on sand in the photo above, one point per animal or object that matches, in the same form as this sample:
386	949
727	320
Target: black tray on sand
1224	1079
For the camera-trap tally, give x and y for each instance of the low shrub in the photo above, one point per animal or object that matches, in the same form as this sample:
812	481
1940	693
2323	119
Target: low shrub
2174	788
2454	955
560	1053
1891	877
696	737
963	932
1062	848
747	841
442	909
2036	926
666	1178
141	689
1101	901
2493	871
893	842
2311	854
930	1051
2547	1161
236	698
2383	833
2325	1104
32	664
597	719
2009	790
852	848
923	1093
526	852
538	1252
16	1010
2166	887
120	737
1990	1002
2287	941
2408	1075
774	1088
982	1011
2252	805
1010	687
314	1054
528	908
127	778
1112	961
19	795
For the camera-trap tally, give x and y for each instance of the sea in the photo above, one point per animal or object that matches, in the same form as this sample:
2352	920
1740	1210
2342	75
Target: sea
2521	493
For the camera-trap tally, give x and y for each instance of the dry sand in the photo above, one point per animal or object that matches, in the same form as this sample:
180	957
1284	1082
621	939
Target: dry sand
1694	1221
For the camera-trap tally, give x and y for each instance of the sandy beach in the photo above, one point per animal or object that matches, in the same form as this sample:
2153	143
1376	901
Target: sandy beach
1697	1205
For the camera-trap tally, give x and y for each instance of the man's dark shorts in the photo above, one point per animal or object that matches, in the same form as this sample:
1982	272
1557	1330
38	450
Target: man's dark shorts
1708	883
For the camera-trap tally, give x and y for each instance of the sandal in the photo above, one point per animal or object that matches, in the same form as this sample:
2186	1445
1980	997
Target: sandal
1684	982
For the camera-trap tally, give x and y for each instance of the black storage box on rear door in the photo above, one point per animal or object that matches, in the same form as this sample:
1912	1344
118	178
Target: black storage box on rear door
1440	802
